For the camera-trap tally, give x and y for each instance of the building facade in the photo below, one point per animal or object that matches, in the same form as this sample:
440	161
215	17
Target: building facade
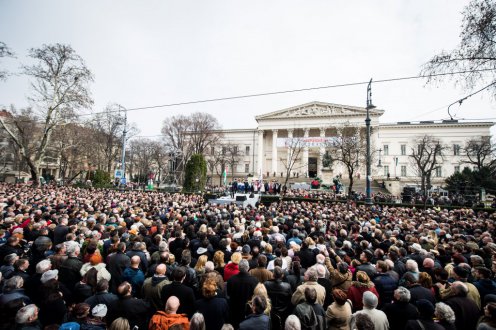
266	150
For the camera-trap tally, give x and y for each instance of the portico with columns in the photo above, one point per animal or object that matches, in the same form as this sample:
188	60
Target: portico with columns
311	123
267	149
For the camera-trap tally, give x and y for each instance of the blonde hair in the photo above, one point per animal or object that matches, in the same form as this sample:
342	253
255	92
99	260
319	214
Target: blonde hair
219	259
120	324
261	290
236	257
200	264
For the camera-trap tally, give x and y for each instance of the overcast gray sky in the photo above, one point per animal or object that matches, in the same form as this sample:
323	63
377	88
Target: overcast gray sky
146	53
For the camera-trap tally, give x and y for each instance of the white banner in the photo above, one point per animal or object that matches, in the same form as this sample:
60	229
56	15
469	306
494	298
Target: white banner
307	142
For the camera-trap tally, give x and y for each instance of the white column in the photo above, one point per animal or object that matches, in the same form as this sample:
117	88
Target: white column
321	153
260	153
304	164
290	144
274	151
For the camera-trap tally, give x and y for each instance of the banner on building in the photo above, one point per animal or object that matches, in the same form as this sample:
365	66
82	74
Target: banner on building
307	142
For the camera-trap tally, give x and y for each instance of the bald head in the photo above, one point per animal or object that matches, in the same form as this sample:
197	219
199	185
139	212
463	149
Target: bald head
135	261
160	270
172	305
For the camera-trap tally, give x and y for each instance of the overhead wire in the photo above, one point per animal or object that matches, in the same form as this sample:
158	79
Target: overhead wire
378	81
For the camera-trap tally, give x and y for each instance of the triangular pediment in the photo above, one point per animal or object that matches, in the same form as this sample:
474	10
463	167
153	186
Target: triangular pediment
319	109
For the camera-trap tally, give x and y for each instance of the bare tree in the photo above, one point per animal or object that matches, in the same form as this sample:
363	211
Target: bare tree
142	157
204	132
349	148
480	152
475	55
216	162
59	90
5	52
232	156
295	147
186	135
426	157
159	158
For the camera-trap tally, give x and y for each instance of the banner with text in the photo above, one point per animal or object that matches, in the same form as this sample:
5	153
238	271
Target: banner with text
307	142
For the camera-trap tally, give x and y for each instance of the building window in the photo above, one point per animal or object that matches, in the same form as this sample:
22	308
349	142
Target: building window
235	150
247	166
438	172
212	150
403	149
386	170
457	169
403	170
223	151
456	149
386	150
247	150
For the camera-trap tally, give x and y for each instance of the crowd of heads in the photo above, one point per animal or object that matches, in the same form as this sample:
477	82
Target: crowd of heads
48	232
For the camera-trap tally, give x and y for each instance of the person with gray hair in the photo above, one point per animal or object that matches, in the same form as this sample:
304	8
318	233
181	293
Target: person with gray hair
292	323
445	315
400	310
27	318
325	282
13	290
240	288
197	322
378	317
466	310
310	281
70	269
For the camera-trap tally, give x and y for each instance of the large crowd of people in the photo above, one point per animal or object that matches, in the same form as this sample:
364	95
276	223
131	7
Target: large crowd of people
100	259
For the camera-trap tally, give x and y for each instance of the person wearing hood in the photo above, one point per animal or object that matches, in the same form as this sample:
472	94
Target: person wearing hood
96	262
152	287
165	319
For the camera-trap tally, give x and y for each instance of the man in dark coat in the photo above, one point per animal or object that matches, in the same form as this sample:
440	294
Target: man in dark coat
401	310
60	231
416	290
102	296
280	296
116	264
240	289
257	320
69	272
384	284
365	258
184	293
137	311
466	310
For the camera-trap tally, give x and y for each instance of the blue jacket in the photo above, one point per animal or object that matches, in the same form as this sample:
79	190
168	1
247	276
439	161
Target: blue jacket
385	286
255	322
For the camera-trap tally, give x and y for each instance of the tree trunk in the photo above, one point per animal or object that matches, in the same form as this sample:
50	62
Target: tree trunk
34	172
350	177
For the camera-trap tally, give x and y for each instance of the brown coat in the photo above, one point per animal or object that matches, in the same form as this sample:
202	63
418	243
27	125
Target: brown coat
261	274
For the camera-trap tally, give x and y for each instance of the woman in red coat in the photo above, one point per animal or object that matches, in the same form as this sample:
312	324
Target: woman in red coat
232	267
358	287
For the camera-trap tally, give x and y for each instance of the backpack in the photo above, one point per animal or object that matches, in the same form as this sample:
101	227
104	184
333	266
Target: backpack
307	317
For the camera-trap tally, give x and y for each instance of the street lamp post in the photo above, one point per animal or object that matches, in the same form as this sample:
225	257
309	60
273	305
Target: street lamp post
368	178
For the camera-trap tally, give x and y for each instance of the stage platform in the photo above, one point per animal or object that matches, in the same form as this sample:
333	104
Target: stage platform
240	199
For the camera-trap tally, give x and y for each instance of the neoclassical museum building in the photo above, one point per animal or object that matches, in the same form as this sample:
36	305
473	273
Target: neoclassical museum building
264	150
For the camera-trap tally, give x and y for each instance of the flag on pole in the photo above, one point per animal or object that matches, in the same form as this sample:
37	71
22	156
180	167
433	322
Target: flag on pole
224	176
